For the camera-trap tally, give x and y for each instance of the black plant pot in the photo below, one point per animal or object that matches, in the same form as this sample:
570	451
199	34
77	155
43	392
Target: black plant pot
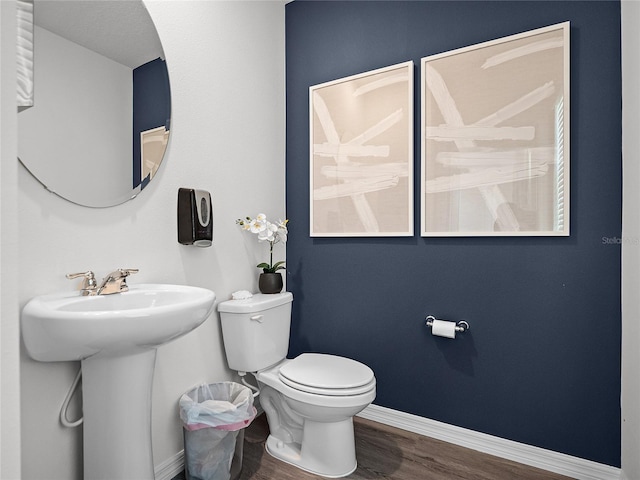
270	283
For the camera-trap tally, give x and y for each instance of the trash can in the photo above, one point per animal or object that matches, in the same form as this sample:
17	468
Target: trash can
213	418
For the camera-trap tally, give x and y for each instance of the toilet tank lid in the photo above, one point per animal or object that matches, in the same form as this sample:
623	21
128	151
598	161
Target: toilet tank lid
257	303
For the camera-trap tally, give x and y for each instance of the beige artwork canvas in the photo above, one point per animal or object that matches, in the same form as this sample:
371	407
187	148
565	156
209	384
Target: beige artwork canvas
495	130
361	159
153	144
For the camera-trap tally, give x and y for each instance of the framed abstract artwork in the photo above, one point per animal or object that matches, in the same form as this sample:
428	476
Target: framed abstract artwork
495	137
153	144
361	154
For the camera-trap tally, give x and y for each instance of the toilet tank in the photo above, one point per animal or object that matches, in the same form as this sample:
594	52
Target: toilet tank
256	330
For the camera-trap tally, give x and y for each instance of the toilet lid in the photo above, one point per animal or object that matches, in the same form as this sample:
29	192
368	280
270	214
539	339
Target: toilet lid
327	375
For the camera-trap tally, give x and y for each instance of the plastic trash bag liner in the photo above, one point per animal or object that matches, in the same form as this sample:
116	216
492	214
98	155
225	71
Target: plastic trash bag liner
212	415
224	405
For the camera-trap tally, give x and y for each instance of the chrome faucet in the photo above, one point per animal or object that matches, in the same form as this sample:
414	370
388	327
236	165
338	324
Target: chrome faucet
115	282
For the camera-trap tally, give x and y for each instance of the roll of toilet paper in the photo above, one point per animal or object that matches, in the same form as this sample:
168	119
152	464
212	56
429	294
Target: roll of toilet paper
442	328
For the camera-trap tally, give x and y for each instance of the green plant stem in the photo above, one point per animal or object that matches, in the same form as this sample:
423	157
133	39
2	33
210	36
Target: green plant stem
270	254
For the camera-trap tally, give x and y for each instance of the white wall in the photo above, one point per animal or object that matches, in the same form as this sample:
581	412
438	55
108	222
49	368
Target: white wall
226	67
9	324
631	240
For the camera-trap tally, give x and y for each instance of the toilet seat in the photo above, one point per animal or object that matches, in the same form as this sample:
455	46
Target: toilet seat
323	374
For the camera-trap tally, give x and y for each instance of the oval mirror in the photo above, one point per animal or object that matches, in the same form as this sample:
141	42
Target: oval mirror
99	126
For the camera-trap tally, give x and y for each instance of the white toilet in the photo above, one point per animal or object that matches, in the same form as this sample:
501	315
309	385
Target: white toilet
310	400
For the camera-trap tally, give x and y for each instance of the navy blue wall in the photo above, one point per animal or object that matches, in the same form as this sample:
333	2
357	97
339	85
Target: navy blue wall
541	363
151	105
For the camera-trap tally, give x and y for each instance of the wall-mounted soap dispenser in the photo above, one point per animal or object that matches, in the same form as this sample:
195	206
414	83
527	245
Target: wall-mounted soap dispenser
195	217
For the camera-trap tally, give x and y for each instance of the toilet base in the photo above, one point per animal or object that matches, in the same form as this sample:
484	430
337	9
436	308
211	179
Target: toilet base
328	449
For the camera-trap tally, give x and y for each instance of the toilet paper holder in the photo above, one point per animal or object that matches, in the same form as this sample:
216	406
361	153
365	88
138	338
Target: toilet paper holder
461	326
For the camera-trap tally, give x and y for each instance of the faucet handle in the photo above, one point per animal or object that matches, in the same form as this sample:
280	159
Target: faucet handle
124	273
89	276
128	271
89	283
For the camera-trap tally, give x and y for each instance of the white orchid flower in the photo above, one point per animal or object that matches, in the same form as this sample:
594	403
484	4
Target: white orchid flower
256	226
266	235
267	231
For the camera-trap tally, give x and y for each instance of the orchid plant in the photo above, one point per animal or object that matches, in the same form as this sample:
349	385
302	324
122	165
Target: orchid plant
267	232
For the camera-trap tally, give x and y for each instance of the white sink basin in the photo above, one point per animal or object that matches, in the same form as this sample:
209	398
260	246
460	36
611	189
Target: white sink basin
115	337
67	326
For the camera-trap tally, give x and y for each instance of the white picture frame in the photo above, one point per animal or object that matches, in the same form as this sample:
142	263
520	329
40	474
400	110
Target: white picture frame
361	154
153	143
495	137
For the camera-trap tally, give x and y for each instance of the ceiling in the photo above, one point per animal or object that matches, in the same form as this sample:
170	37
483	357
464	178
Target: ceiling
121	30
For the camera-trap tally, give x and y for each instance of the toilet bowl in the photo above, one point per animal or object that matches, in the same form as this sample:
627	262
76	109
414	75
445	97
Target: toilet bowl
309	400
311	423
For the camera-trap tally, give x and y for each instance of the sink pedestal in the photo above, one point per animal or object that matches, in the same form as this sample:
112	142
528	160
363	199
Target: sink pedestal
116	391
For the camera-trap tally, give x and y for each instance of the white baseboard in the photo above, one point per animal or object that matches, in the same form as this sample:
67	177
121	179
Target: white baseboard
551	461
170	467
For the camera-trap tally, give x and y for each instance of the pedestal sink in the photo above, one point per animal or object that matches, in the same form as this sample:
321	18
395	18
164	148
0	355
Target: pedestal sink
115	337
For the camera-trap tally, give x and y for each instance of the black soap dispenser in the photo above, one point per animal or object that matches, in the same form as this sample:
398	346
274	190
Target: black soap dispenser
195	217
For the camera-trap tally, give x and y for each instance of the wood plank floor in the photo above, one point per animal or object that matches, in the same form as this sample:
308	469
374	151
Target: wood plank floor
385	452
